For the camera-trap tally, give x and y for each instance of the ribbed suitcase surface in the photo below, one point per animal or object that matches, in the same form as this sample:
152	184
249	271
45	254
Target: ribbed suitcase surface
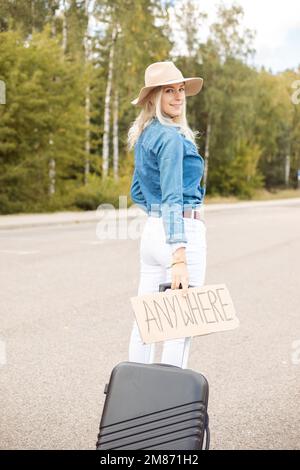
153	406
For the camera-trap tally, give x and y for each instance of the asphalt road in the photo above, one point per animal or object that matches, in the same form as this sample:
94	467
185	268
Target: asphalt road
65	321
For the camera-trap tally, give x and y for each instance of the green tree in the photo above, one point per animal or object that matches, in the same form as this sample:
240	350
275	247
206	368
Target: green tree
43	117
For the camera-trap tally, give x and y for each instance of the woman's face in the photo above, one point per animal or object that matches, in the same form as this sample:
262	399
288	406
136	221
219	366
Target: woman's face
172	99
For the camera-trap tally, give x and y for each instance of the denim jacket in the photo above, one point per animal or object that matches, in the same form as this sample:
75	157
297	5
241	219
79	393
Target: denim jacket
166	179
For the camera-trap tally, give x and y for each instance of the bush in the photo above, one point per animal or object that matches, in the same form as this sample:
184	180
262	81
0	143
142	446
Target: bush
98	191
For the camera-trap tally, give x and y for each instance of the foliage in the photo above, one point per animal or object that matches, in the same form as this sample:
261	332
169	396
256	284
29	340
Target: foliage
254	124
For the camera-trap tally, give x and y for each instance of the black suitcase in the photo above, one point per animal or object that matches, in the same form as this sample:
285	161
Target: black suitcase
154	406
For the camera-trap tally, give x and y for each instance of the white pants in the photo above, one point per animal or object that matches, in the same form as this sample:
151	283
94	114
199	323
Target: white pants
155	268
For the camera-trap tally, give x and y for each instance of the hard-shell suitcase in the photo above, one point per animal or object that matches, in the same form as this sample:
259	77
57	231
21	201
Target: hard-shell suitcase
154	406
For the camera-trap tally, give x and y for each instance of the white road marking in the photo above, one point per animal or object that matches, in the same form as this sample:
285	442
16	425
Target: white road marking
100	242
20	252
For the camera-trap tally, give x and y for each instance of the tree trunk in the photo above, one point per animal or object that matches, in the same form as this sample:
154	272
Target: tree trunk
32	17
87	134
206	152
52	163
105	149
52	175
287	170
116	135
53	26
64	29
87	99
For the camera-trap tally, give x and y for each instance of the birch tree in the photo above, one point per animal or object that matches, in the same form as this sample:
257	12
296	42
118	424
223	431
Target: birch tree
116	134
106	119
52	165
87	47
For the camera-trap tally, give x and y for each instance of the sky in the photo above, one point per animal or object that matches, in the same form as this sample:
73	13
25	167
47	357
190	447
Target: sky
277	26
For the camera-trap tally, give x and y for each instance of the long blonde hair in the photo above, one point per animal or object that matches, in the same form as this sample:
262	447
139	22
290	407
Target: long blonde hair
151	108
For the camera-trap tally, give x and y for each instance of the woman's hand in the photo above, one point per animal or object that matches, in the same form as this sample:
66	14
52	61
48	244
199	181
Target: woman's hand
180	273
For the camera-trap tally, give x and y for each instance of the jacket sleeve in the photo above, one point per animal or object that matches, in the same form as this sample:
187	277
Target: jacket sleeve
136	193
170	161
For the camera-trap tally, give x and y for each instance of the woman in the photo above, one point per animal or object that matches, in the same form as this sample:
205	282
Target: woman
166	185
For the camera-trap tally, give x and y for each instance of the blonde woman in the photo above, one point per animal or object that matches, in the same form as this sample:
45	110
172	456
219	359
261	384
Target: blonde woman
166	185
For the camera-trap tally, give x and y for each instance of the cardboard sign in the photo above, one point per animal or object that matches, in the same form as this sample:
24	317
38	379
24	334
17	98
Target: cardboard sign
168	315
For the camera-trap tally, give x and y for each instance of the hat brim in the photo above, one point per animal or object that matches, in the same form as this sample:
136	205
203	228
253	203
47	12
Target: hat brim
193	87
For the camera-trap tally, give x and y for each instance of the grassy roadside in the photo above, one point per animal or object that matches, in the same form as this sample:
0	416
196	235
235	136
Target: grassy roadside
260	195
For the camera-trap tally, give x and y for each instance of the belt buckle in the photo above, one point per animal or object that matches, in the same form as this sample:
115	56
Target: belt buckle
190	213
198	214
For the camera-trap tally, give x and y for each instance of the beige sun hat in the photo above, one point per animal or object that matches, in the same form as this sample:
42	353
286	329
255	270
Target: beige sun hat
165	73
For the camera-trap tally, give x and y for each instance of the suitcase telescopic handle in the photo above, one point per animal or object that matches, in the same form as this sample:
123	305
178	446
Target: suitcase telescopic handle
167	285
